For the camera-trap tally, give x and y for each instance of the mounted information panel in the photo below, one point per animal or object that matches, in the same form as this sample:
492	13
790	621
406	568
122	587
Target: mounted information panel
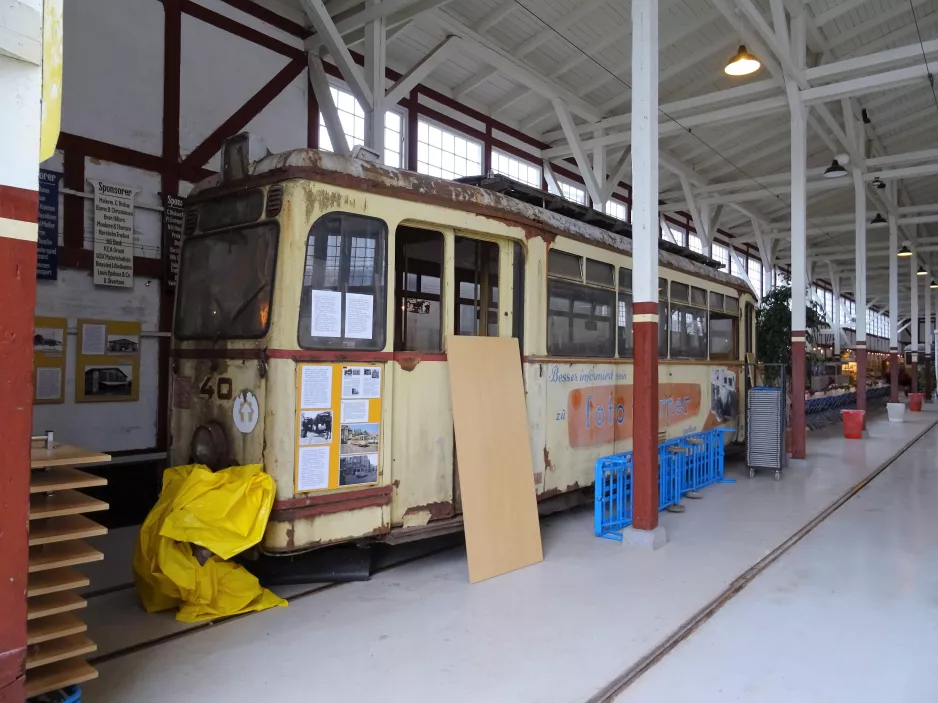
338	426
108	361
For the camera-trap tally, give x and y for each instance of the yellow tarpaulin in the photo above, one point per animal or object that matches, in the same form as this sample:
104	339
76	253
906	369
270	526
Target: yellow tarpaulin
225	512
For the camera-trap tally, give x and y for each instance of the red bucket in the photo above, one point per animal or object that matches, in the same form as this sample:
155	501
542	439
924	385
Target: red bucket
915	402
853	423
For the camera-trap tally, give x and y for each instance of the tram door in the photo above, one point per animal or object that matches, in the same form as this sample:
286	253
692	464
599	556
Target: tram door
482	271
445	283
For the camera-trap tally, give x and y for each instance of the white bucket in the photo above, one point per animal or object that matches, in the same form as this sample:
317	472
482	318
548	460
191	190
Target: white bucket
896	411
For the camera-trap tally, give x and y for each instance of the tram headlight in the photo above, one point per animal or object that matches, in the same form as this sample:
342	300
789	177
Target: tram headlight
209	446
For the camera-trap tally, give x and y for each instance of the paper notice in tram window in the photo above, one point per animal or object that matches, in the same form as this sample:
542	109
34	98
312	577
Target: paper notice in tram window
371	382
359	316
313	471
326	314
93	339
316	387
354	411
352	381
48	383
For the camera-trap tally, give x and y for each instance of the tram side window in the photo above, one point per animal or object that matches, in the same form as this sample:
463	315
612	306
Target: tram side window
724	327
626	343
476	269
580	317
344	296
418	276
662	318
688	323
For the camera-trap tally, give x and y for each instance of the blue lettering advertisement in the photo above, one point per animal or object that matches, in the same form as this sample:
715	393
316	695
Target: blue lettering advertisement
47	252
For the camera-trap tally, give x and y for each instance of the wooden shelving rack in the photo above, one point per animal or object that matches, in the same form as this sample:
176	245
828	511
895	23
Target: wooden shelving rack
56	638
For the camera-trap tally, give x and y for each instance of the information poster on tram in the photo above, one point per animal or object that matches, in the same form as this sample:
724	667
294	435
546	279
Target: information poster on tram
338	425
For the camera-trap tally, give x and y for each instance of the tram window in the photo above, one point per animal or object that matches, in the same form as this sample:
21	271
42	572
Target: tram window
600	273
731	305
226	283
476	268
724	333
663	318
419	267
716	301
563	265
626	343
346	274
580	320
698	296
680	292
688	332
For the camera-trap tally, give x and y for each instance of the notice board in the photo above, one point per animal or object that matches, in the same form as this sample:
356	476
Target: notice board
338	425
108	361
496	471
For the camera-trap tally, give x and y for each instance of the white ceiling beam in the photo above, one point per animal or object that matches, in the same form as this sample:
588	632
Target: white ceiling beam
882	59
579	152
505	8
421	70
907	172
908	209
352	28
865	84
838	10
879	19
746	92
553	185
670	126
330	114
328	33
530	44
480	47
618	173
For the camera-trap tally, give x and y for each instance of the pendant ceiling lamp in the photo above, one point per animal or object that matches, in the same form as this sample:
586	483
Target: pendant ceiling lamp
933	284
921	271
743	63
905	251
835	170
878	220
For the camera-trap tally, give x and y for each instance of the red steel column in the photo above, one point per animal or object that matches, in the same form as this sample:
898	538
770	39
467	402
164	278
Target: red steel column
798	351
645	406
19	210
861	375
893	375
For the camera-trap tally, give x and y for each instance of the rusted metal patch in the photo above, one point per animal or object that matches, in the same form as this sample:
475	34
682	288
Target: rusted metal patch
438	510
554	492
408	363
310	506
548	464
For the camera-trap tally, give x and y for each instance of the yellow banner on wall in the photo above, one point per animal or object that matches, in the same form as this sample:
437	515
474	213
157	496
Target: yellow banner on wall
338	425
107	367
50	351
52	59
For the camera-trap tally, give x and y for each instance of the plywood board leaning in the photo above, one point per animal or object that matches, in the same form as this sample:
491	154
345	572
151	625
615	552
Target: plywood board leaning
496	472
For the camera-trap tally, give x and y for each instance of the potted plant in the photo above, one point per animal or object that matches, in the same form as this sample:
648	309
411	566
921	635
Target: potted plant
773	337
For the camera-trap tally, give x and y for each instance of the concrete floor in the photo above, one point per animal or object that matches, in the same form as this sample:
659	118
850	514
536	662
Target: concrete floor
850	613
562	630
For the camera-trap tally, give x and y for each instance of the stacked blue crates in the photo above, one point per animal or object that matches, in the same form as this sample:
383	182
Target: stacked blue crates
687	463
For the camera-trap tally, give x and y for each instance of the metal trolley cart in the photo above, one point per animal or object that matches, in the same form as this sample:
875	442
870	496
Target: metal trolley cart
765	430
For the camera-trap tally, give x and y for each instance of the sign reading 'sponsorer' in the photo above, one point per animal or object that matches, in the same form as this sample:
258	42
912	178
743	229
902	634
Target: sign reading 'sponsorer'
113	235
